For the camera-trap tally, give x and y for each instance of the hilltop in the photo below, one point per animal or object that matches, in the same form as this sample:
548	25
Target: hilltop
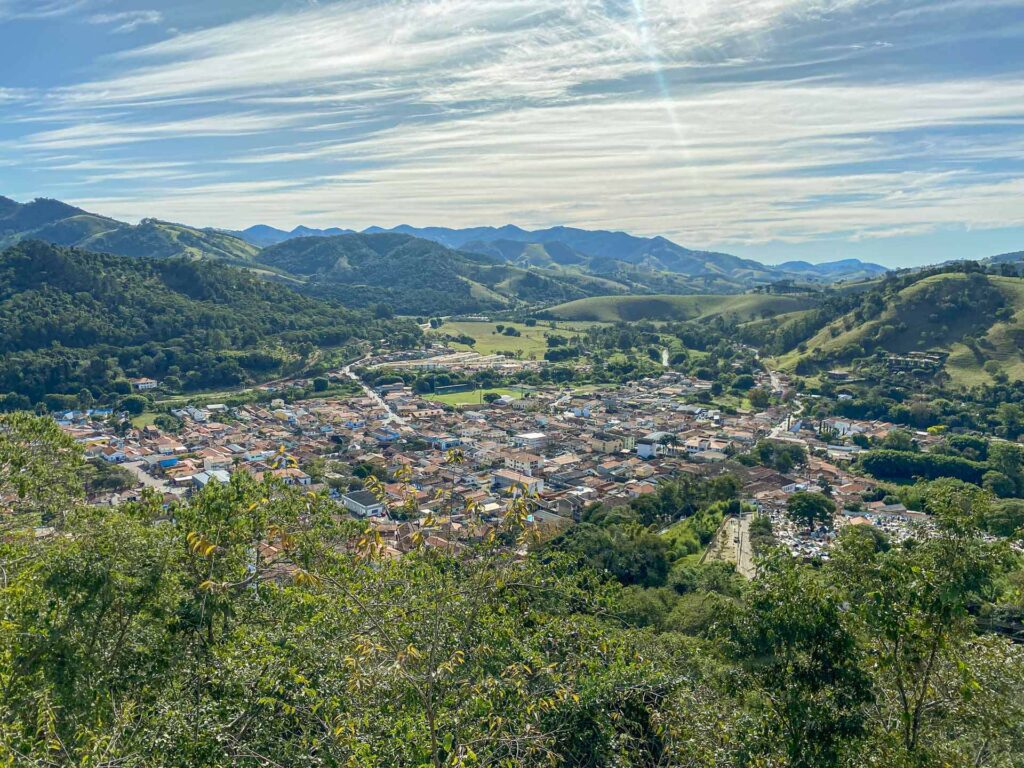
73	320
973	322
61	224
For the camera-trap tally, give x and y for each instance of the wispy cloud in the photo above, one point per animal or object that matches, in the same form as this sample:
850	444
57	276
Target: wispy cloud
715	122
127	21
40	9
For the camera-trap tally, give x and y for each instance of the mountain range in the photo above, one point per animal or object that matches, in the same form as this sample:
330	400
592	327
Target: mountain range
432	270
600	252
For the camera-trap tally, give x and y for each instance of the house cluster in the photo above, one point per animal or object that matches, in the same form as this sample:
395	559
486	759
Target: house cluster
461	468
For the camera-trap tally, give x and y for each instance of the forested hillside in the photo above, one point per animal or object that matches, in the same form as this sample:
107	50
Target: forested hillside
73	320
416	276
252	625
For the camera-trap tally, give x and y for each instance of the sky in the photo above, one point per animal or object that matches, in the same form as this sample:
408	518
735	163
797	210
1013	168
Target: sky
886	130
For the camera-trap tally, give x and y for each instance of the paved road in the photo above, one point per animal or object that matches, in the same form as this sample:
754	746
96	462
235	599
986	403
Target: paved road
391	415
732	545
744	552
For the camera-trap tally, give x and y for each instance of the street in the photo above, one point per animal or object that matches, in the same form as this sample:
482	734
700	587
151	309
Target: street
391	415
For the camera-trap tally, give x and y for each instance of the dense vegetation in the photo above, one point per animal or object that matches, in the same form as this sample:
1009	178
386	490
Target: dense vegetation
415	276
77	323
253	626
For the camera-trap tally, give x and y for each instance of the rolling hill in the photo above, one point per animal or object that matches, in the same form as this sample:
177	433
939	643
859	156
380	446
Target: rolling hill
742	307
73	320
417	276
61	224
974	322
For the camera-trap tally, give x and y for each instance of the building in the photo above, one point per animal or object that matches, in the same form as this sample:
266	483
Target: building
113	453
202	479
606	442
363	503
530	440
142	385
517	482
524	462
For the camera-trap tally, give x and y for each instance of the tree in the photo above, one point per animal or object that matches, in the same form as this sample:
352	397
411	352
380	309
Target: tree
759	397
491	397
810	507
40	469
998	484
914	604
899	440
803	665
320	384
134	404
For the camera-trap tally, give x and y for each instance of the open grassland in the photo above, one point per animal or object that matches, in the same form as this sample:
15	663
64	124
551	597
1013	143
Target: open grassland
531	343
472	397
743	307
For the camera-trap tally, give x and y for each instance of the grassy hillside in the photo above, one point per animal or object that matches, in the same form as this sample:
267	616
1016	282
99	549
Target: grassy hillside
61	224
742	307
161	239
977	319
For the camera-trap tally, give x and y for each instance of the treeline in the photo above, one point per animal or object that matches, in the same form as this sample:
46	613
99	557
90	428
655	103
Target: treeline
74	323
998	466
253	625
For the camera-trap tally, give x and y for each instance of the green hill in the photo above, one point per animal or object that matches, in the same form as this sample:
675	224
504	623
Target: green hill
975	321
416	276
73	320
61	224
741	307
161	239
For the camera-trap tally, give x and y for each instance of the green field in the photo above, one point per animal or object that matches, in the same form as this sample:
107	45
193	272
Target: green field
531	344
471	398
144	419
747	306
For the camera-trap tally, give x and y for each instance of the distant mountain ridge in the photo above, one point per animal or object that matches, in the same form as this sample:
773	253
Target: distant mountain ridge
262	235
606	252
641	264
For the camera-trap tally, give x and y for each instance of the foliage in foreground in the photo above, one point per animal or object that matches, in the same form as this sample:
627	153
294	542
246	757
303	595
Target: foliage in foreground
252	625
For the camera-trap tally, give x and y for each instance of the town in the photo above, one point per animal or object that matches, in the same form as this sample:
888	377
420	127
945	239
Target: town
566	450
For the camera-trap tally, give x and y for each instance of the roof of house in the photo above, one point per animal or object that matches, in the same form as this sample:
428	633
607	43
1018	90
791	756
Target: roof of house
362	498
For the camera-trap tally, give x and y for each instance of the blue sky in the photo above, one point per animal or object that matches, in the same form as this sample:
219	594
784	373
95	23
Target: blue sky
775	129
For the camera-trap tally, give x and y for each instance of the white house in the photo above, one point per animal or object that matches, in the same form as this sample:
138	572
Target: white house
363	503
